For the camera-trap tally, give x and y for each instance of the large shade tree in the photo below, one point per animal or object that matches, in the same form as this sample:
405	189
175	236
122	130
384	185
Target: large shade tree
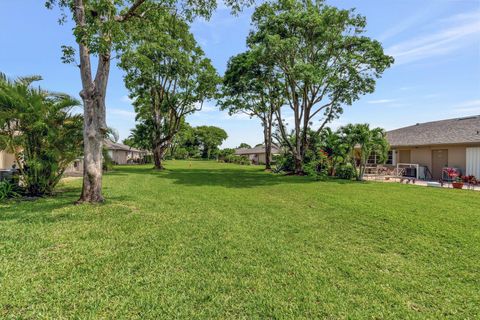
209	139
251	86
168	77
39	128
323	59
100	28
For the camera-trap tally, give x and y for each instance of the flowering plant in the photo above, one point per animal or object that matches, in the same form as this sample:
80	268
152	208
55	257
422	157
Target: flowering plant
452	173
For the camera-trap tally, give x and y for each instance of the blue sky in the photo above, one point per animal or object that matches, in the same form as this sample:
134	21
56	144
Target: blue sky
436	44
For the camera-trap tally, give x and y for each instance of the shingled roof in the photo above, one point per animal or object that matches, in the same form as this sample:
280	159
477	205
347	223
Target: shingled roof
110	145
256	150
451	131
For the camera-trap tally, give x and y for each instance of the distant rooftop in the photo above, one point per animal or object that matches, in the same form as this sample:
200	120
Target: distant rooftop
255	150
451	131
109	144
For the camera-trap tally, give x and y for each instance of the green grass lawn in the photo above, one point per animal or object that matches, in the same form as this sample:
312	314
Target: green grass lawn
207	240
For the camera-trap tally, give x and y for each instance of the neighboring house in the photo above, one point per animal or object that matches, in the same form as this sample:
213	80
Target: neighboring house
75	168
123	154
120	154
257	154
438	144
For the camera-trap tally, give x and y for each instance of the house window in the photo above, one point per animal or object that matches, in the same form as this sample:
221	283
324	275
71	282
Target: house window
372	159
375	159
389	157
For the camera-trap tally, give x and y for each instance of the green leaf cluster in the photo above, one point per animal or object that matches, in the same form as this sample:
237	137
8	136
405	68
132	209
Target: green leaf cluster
41	130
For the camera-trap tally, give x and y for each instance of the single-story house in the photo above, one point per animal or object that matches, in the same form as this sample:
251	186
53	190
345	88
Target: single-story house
123	154
453	143
257	154
120	154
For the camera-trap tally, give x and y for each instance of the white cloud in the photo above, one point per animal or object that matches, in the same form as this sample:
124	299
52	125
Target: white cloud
456	32
412	20
121	112
381	101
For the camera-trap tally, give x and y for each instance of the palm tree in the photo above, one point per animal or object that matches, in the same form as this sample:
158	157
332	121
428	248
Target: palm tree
39	128
362	142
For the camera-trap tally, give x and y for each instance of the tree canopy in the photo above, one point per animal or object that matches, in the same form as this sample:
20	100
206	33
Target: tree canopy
322	58
210	138
168	76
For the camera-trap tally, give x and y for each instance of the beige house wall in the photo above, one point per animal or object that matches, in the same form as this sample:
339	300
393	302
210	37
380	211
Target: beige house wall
423	155
75	168
119	156
6	160
258	158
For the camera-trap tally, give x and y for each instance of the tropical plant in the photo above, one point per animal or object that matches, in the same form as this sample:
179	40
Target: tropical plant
39	128
362	142
336	149
345	171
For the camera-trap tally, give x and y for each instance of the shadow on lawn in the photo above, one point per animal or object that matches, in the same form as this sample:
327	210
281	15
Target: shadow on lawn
234	177
229	178
39	210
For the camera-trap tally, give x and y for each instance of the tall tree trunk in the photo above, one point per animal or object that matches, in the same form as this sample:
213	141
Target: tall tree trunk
267	132
93	135
94	127
158	154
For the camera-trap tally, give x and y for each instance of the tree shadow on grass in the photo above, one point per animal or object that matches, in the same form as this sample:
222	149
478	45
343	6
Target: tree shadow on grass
230	178
39	210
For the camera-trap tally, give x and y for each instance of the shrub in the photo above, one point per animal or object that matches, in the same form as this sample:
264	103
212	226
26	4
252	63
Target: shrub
8	190
319	166
232	158
284	162
345	171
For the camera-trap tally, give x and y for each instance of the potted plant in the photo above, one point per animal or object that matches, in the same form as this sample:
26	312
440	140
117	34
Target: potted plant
457	183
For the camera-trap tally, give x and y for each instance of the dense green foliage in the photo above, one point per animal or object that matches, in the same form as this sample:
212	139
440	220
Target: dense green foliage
234	242
251	86
39	128
210	138
322	59
343	153
168	77
188	142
